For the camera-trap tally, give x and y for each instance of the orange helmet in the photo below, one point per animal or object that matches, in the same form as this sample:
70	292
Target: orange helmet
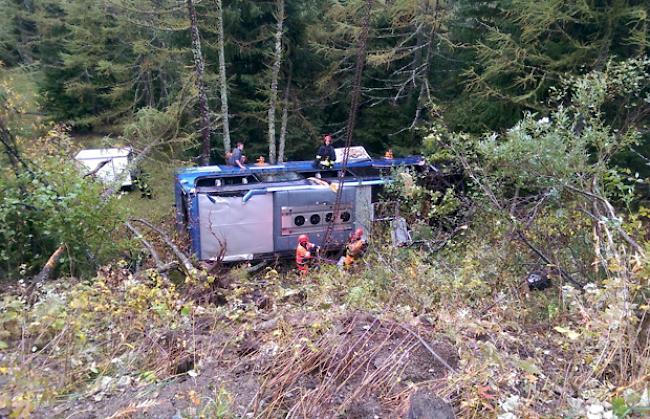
303	238
358	233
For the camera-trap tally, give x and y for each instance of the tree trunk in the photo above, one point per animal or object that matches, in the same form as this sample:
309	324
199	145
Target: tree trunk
223	82
285	116
199	69
423	97
362	46
596	231
23	48
275	71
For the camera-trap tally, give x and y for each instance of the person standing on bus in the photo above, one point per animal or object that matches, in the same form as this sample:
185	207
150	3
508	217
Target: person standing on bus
326	156
236	158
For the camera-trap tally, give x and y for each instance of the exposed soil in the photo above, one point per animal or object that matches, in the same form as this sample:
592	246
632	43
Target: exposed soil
358	367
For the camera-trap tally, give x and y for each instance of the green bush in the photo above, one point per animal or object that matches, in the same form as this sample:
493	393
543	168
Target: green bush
52	205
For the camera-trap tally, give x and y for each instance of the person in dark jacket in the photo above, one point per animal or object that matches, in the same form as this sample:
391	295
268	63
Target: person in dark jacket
236	158
325	156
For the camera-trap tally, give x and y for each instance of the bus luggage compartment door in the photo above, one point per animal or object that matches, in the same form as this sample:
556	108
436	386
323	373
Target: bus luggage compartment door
238	230
309	212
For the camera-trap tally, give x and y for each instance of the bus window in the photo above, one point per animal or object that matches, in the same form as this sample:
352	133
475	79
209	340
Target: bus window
239	180
280	177
365	172
225	181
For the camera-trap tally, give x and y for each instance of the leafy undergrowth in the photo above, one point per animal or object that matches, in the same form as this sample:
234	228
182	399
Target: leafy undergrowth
335	344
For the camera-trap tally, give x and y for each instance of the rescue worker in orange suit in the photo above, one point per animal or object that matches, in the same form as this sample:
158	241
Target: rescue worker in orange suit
304	253
354	250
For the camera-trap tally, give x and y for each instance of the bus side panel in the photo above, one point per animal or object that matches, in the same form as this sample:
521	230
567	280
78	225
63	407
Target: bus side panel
235	229
194	224
179	204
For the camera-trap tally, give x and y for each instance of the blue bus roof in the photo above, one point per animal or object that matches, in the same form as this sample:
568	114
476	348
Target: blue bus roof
187	177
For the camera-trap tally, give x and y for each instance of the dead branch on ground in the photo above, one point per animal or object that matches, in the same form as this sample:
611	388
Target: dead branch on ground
186	264
161	267
96	169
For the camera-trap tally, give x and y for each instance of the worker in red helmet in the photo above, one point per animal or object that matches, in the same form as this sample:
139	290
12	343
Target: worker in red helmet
355	248
325	156
304	253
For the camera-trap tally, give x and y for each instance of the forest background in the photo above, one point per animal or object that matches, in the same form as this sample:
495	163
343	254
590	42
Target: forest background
282	71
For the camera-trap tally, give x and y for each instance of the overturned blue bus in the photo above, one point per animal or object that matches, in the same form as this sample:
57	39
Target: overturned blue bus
257	213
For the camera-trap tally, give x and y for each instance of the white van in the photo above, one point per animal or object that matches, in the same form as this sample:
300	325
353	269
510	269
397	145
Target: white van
116	166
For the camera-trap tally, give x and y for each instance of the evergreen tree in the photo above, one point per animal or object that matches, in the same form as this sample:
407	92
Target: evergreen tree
17	31
103	60
519	48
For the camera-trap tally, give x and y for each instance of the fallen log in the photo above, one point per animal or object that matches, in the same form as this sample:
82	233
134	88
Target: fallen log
161	267
152	251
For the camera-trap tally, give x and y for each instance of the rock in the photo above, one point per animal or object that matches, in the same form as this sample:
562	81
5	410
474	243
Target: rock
269	348
267	325
294	297
367	408
185	364
124	381
425	405
248	345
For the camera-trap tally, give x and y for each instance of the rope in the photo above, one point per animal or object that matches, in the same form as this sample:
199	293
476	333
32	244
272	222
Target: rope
336	213
354	107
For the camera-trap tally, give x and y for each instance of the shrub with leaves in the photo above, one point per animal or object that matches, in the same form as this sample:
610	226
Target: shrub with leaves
548	191
46	203
87	335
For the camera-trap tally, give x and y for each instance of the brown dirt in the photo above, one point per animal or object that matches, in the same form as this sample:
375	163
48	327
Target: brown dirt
357	367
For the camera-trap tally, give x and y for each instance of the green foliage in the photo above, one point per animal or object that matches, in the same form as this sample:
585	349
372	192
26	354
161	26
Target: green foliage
535	177
153	126
482	63
218	406
98	66
571	146
551	197
17	32
68	328
52	205
419	202
518	49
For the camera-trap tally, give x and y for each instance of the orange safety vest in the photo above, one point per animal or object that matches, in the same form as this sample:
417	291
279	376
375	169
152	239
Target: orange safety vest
354	250
302	256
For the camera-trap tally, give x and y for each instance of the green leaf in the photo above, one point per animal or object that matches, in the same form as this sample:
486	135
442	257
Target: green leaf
620	408
58	324
3	345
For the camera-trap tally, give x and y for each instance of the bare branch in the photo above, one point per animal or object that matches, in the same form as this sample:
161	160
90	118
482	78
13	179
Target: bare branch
186	264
